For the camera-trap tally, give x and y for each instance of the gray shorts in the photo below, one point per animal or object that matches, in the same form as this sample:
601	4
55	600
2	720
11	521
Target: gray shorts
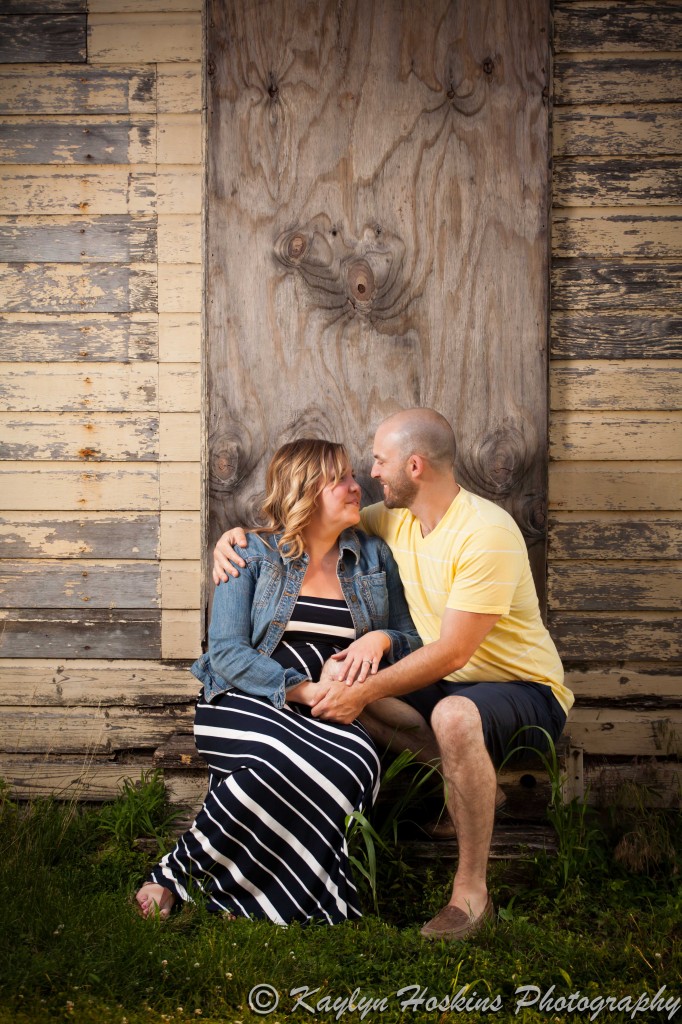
505	708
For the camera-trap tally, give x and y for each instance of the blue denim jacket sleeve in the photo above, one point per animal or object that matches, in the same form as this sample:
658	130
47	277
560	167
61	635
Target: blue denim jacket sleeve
231	660
401	630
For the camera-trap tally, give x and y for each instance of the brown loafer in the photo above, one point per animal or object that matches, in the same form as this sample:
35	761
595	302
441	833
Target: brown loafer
455	925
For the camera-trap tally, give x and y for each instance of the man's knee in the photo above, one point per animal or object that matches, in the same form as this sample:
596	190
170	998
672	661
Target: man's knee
457	720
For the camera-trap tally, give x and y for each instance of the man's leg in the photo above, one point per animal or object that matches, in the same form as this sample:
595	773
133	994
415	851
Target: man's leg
395	725
470	789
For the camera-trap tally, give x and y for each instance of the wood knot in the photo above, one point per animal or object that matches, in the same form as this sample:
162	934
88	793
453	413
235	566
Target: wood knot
273	88
361	282
297	246
498	460
488	65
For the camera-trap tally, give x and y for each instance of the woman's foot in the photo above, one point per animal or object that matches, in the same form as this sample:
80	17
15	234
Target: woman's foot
153	899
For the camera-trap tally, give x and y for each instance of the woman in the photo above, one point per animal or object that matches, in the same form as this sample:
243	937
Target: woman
269	840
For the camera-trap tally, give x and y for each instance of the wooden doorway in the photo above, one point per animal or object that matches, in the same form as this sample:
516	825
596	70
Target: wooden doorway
378	236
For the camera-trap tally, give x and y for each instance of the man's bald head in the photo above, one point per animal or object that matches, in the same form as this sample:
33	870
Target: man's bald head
422	432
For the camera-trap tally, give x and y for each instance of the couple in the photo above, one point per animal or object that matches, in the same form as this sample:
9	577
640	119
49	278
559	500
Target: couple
315	600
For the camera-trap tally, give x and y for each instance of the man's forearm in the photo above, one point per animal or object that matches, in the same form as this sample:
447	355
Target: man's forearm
419	669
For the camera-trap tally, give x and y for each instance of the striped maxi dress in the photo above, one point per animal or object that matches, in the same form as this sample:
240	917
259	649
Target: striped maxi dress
270	839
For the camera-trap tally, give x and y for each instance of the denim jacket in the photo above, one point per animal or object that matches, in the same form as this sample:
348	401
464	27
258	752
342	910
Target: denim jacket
251	611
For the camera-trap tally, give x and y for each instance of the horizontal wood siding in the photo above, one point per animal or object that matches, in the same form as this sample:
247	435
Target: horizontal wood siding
101	270
615	526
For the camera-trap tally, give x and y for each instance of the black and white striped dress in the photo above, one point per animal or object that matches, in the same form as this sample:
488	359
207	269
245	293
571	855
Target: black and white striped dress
270	838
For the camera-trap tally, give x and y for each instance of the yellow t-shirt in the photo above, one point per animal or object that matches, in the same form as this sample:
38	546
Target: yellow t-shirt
475	560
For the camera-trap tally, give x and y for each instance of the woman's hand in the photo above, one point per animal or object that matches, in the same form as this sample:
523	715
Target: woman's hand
302	693
361	658
225	558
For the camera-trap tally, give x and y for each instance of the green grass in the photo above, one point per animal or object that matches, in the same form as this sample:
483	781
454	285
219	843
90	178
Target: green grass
72	948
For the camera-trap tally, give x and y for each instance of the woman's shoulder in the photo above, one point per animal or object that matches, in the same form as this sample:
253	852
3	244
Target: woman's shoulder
260	545
369	548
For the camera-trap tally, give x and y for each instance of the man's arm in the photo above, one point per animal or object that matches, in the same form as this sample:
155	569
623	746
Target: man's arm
460	636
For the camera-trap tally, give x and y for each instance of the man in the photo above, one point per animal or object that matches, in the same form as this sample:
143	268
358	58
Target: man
488	666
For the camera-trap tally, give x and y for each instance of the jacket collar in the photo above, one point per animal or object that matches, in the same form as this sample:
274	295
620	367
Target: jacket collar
348	541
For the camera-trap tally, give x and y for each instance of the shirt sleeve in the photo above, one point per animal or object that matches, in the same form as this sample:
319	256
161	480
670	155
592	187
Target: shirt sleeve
487	573
371	519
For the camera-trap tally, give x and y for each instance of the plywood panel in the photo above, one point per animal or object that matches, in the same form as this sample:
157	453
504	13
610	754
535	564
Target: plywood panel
75	436
607	78
575	486
361	198
78	240
609	334
118	338
76	140
91	190
78	633
597	637
615	535
134	37
42	38
606	586
617	27
615	284
633	436
69	287
65	387
60	89
617	130
46	583
622	181
609	233
613	385
61	486
73	535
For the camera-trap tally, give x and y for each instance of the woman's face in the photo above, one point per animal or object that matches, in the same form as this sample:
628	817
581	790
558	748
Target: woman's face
339	504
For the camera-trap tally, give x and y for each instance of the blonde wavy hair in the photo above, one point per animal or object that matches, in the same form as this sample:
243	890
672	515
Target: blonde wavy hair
298	473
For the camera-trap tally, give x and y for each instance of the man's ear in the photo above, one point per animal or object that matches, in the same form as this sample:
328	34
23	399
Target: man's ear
415	466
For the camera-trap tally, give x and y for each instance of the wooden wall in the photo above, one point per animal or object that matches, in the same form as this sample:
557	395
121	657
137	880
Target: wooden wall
101	536
615	574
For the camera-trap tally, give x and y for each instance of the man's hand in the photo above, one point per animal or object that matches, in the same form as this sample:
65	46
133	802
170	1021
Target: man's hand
225	558
338	702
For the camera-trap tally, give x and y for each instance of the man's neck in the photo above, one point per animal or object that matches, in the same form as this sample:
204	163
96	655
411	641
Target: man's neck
432	503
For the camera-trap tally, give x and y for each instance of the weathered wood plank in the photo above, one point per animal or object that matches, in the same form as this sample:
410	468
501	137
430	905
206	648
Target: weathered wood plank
180	338
618	785
625	686
97	140
148	6
179	139
91	190
81	633
87	778
71	535
627	437
578	486
179	190
138	37
180	388
181	584
117	239
631	733
62	89
180	239
611	385
598	637
180	287
72	387
619	181
180	486
77	288
69	683
609	586
115	338
99	730
617	131
43	38
182	633
80	437
617	27
608	233
610	79
612	535
179	88
181	535
588	334
48	583
61	486
612	284
180	436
